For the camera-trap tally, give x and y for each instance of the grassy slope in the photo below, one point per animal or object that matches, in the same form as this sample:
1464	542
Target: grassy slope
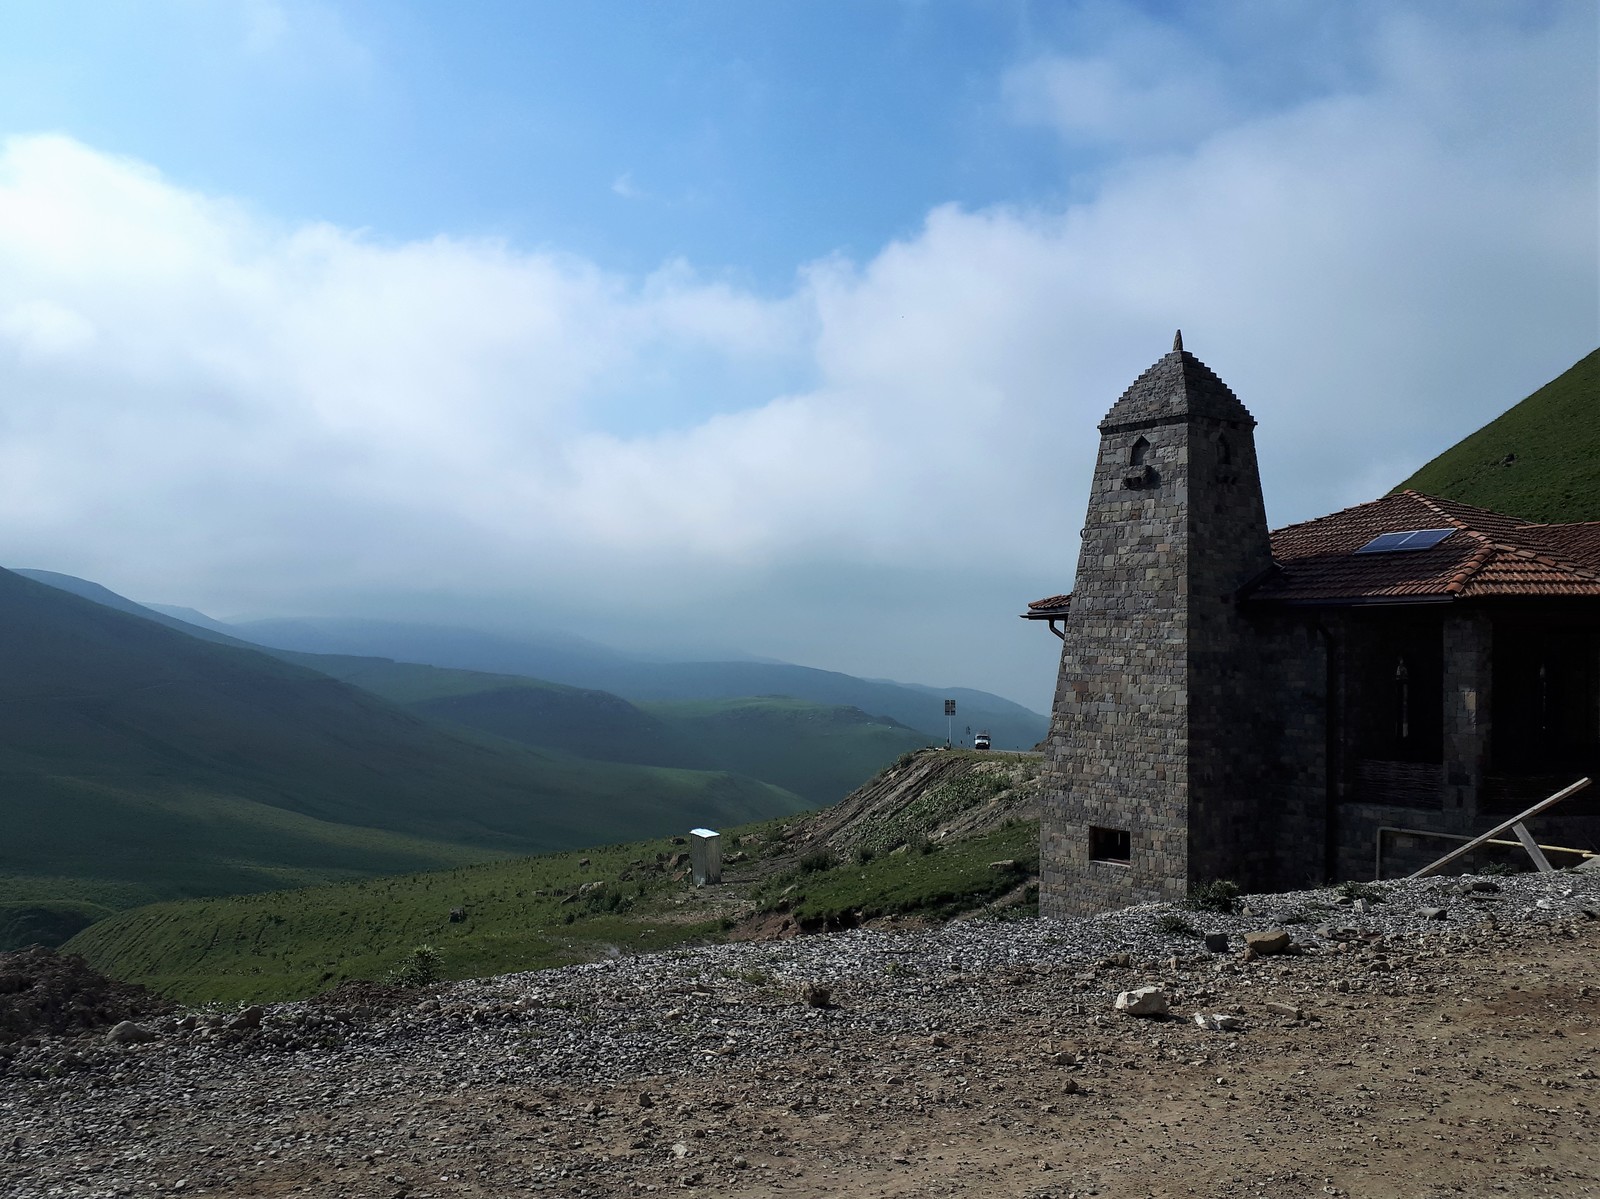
1555	435
818	751
293	943
932	880
287	944
137	762
575	720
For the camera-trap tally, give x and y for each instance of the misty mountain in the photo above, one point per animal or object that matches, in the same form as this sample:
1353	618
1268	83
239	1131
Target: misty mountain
582	664
140	762
557	659
189	616
817	751
205	628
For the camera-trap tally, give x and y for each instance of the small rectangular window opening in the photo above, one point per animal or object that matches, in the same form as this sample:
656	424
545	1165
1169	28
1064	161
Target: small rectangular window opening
1110	845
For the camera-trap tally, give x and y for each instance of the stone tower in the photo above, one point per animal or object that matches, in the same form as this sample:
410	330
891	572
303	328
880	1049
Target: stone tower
1151	780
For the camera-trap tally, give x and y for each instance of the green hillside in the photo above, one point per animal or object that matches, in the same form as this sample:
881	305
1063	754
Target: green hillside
287	944
967	838
574	720
1539	461
818	751
139	763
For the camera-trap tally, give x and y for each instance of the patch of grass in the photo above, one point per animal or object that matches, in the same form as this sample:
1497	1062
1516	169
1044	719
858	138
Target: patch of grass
912	824
1026	908
1371	892
289	944
817	861
958	877
1176	924
419	968
1218	895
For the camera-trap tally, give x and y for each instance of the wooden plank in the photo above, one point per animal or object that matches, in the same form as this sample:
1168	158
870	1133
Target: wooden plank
1532	846
1462	851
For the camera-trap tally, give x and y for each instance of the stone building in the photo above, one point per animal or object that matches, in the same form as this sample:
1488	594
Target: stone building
1286	708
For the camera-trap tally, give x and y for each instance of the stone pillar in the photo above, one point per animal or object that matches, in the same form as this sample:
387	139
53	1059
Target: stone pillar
1153	651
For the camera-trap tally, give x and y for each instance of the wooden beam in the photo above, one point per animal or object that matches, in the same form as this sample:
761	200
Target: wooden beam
1515	822
1532	846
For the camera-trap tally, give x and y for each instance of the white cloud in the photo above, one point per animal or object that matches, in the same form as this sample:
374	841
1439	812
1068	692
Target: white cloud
1166	96
45	329
206	407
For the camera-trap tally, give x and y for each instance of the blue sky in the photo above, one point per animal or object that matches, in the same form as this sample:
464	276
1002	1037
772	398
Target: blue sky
794	318
747	138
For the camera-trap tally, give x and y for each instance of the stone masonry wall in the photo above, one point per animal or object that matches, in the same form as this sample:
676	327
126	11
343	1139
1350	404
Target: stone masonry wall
1117	754
1232	816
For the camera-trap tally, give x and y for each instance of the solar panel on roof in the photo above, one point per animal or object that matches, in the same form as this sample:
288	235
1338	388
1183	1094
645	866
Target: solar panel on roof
1412	539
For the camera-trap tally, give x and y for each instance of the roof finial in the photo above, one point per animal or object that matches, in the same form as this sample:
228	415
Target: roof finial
1177	341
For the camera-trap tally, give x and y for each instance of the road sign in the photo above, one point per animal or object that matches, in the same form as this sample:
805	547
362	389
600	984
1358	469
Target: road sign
949	707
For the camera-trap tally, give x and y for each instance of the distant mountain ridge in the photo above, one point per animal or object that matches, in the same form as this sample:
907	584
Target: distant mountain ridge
139	762
820	755
916	706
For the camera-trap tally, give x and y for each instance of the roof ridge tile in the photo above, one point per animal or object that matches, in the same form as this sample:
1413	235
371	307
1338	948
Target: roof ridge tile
1473	565
1547	560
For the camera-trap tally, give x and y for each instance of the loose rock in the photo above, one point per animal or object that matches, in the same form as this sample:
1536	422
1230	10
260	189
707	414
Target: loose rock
1144	1001
129	1033
1264	943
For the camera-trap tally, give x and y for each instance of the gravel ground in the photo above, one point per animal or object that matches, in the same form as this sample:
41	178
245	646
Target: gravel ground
980	1058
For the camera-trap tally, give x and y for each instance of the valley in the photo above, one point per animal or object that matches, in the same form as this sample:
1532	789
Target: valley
147	758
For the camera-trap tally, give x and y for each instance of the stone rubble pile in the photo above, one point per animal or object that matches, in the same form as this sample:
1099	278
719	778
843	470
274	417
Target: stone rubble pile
72	1107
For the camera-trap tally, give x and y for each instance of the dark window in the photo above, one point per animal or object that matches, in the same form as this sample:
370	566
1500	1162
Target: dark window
1110	845
1546	698
1396	692
1140	451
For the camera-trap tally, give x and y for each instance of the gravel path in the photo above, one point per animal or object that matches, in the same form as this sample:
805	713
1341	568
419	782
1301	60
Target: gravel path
979	1058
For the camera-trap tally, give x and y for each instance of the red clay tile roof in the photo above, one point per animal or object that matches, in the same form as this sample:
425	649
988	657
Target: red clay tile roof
1578	543
1489	554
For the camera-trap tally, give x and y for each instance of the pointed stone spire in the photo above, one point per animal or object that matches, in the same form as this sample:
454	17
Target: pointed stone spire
1176	387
